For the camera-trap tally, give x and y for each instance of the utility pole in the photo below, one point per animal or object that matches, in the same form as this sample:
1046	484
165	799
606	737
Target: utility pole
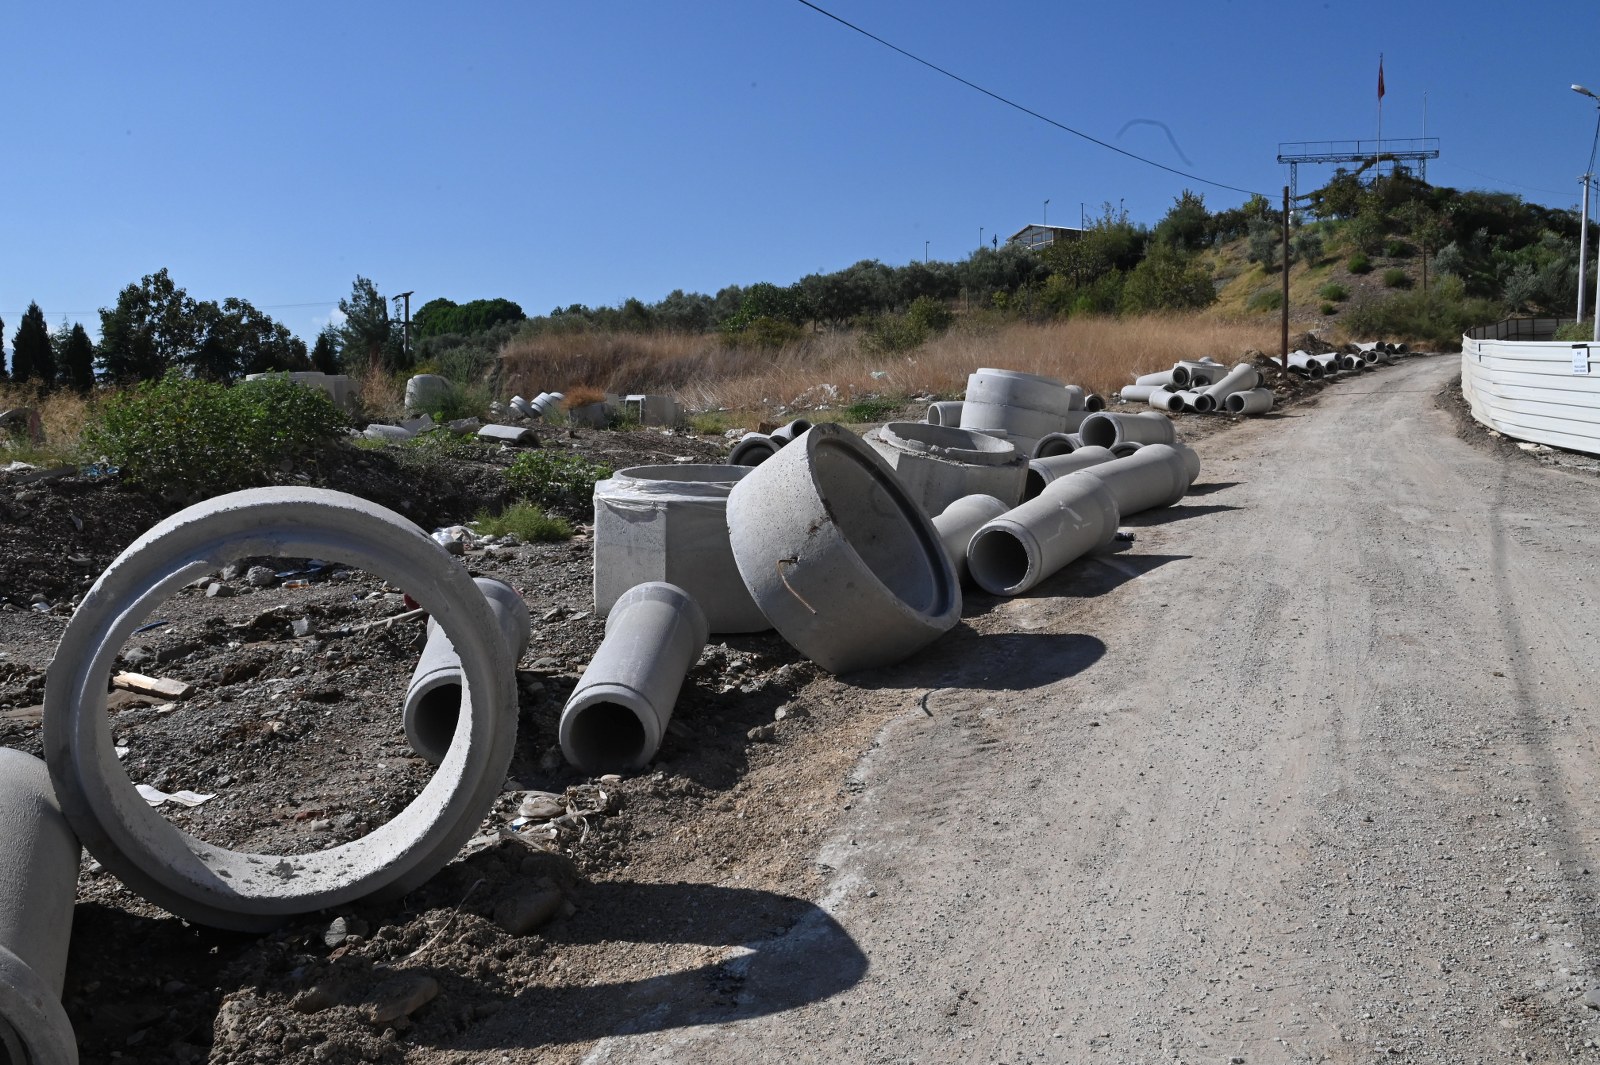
925	253
1286	279
1046	212
1583	246
980	236
405	336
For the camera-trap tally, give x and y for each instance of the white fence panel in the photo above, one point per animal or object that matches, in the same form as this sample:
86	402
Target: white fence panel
1544	391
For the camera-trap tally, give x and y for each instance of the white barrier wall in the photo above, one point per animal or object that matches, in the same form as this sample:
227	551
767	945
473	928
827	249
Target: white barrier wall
1544	391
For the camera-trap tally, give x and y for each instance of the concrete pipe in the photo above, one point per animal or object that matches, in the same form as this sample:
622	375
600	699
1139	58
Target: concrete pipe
253	892
1161	379
619	711
959	521
520	435
1196	402
38	885
1191	461
1306	364
426	391
1071	517
1124	449
1352	362
1157	476
938	464
1241	378
752	450
1140	393
1093	402
1202	367
1056	444
945	412
786	434
1105	428
522	407
839	558
1255	401
1042	471
1019	407
1075	396
670	523
434	696
1171	402
546	404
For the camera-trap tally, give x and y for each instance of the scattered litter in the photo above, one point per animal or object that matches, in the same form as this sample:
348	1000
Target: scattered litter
143	685
151	625
155	796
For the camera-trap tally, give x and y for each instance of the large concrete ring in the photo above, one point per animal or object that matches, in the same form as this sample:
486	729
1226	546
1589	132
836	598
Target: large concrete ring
256	892
38	1026
839	558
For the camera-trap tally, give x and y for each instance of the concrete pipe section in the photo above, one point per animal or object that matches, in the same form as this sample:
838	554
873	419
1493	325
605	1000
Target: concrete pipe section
1156	476
787	434
254	892
1019	407
753	449
1255	401
959	521
944	412
670	523
1140	393
38	886
937	464
1106	429
1241	378
1160	379
433	699
1017	550
1170	402
838	557
1042	471
619	711
426	391
1307	364
1124	449
1196	401
1191	462
1056	444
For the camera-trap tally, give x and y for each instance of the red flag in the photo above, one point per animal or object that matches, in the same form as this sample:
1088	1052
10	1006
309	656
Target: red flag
1380	77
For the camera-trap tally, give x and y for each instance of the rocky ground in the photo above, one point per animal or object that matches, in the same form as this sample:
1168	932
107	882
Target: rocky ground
294	727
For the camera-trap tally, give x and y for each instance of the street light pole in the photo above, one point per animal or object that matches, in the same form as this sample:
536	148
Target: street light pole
925	253
1047	212
980	236
1583	246
1583	240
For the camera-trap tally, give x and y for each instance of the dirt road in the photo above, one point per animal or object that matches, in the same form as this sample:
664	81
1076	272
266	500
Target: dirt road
1308	773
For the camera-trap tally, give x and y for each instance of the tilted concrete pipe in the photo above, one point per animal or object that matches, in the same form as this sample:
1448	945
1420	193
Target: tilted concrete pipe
753	449
38	885
1156	476
786	434
434	696
670	523
619	711
1255	401
1162	378
1042	471
1056	444
960	520
1171	402
1017	550
246	891
944	412
841	560
1241	378
1106	428
938	464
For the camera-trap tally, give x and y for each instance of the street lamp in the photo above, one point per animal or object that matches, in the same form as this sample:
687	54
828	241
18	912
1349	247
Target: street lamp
1583	234
1047	212
980	236
925	251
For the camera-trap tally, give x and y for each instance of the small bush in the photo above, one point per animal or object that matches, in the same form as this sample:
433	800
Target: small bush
441	444
1436	318
1359	263
524	521
763	333
1266	299
1328	308
1397	249
554	478
1334	291
459	401
869	410
189	439
711	422
1576	331
581	396
890	334
932	315
1394	277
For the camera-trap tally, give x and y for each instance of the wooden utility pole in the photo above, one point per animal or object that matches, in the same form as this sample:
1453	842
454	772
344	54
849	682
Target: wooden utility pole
1286	279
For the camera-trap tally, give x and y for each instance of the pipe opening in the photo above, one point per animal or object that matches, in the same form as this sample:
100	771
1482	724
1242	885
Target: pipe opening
1098	431
882	526
438	712
605	737
998	560
1033	485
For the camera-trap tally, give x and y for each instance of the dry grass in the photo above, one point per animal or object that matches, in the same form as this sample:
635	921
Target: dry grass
828	370
63	416
383	395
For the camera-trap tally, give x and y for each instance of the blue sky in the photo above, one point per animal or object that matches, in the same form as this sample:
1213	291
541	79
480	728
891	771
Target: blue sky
584	153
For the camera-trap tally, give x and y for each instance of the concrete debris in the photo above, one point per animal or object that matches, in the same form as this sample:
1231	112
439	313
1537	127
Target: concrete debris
519	436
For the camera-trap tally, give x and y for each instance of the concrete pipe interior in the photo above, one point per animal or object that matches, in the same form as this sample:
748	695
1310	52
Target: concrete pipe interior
998	559
606	737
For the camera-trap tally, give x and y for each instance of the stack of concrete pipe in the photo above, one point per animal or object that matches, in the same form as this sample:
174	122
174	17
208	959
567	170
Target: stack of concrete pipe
1202	387
752	449
539	407
1020	408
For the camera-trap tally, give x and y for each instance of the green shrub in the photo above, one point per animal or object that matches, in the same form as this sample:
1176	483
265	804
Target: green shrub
1576	331
554	478
930	314
711	422
762	332
874	409
524	521
442	444
1397	249
1359	263
459	401
1436	318
890	334
1328	308
1334	291
1394	277
1266	299
189	439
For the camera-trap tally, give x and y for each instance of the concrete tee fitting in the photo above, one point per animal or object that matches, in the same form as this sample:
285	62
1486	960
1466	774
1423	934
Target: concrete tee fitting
938	464
255	892
1017	550
960	520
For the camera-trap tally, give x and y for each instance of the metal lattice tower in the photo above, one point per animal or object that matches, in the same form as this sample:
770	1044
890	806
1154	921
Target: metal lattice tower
1410	149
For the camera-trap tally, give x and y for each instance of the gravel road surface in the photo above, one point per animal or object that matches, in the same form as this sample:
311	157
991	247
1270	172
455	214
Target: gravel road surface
1307	773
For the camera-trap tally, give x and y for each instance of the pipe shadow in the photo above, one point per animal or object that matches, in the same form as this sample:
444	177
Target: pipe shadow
1210	487
1001	661
1097	574
797	954
1179	512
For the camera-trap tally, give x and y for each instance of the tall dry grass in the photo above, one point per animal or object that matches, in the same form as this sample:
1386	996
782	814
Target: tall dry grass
62	414
831	369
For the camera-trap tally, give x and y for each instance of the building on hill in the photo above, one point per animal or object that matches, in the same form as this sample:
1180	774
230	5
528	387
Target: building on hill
1036	237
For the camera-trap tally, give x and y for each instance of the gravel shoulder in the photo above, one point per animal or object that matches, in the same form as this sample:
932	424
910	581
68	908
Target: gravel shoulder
1307	774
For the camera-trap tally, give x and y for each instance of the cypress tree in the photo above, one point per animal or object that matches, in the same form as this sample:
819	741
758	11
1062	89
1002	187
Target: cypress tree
77	360
31	356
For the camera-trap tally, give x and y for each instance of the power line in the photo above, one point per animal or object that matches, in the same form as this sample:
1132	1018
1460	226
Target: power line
1502	181
1025	110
